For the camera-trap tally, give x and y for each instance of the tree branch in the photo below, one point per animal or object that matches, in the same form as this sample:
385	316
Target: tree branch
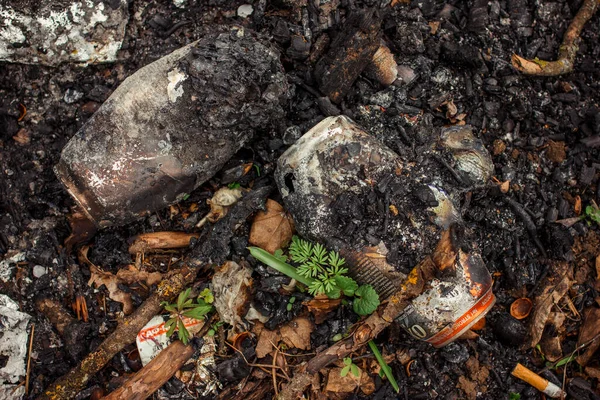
567	51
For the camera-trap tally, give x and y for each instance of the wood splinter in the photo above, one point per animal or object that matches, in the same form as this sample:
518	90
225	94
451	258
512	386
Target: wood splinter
567	51
148	242
541	384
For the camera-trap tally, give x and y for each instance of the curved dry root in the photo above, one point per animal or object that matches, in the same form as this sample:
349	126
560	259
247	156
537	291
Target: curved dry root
567	51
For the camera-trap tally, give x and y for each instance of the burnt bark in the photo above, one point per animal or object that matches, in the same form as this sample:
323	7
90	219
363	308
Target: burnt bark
349	54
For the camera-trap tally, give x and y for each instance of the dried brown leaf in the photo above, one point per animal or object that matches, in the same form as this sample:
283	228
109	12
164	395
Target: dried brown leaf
555	286
551	345
589	332
468	335
296	333
111	282
82	230
266	341
320	307
336	383
577	205
272	229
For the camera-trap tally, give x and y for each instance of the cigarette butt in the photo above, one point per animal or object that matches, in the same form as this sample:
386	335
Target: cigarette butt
537	381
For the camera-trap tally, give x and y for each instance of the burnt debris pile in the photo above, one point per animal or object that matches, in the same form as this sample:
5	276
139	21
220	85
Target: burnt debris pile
335	199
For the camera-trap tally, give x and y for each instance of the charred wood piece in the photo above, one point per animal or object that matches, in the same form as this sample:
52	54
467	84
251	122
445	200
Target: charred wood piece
349	54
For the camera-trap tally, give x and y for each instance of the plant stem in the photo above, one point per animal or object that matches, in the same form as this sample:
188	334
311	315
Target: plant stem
283	267
386	368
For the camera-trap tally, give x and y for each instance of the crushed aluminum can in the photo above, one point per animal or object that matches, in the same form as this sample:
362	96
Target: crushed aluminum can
452	305
337	159
172	125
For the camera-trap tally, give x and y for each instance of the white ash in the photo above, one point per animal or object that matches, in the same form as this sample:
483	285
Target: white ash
81	31
13	346
8	264
245	10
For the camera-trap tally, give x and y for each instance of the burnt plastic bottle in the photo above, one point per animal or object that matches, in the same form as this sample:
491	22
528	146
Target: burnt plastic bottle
172	125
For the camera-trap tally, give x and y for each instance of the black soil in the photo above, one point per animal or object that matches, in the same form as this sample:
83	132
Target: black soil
543	134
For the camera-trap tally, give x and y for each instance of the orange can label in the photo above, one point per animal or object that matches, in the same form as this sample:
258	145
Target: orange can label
461	325
451	305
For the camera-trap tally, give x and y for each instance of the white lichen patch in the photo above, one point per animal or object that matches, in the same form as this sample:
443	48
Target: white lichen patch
13	346
8	264
82	31
174	88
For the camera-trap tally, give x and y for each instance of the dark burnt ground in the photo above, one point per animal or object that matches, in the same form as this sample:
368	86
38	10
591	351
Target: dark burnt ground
544	135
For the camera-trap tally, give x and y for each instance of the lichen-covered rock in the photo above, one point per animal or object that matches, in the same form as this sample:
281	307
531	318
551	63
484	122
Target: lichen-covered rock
51	33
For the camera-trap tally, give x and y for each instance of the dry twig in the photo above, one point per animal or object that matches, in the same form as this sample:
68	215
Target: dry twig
29	359
567	51
75	380
158	371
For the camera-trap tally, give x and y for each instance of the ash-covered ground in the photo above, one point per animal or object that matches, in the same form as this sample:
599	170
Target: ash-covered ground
454	57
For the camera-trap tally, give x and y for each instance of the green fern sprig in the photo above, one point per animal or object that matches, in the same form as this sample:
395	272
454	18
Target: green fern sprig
300	250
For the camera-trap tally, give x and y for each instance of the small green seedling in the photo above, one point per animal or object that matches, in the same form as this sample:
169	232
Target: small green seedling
290	303
186	307
593	212
384	366
214	328
514	396
322	271
563	361
233	185
349	366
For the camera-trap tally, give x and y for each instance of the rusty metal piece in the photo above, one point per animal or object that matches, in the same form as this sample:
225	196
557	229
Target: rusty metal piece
520	308
172	125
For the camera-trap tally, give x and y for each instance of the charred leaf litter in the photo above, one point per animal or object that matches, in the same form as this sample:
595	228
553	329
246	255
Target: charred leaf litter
525	213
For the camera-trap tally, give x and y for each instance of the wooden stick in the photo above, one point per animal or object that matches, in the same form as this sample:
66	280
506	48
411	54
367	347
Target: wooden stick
29	359
567	51
159	370
537	381
147	242
56	314
75	380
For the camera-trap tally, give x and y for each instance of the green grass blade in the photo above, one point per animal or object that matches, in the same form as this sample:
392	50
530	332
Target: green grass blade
285	268
386	368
